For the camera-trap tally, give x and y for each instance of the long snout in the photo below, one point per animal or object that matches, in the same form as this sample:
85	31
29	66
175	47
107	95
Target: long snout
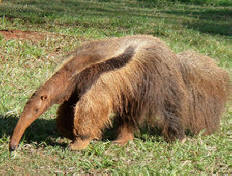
12	146
17	134
22	124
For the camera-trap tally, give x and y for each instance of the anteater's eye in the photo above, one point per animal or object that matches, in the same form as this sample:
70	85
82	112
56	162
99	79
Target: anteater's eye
43	97
36	110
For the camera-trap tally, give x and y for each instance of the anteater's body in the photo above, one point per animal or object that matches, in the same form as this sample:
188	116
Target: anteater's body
139	80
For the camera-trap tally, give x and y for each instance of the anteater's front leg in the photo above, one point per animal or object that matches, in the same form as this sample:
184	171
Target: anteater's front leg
64	120
90	118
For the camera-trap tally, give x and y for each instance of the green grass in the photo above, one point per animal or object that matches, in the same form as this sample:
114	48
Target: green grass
203	26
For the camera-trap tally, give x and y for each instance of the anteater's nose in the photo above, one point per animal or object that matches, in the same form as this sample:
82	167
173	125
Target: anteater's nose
12	147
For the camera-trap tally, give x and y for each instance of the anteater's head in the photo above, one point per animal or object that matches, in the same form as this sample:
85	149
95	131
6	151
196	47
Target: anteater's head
36	105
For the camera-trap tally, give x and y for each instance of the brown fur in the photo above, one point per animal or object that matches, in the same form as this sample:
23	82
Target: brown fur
138	79
208	87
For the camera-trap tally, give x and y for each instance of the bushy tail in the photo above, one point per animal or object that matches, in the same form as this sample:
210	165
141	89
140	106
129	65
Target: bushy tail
209	89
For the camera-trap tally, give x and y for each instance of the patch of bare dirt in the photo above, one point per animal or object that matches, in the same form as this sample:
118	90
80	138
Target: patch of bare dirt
25	35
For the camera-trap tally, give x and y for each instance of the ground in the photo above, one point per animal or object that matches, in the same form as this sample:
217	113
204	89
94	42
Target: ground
24	35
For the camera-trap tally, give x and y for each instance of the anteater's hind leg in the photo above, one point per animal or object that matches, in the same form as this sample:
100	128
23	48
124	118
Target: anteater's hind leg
173	124
173	128
64	120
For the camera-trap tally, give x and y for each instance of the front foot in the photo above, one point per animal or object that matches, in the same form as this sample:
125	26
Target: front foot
79	144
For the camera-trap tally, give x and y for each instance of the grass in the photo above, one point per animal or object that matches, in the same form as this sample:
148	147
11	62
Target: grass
25	64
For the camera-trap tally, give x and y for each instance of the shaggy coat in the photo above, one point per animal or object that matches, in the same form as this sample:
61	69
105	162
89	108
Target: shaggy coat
136	80
208	88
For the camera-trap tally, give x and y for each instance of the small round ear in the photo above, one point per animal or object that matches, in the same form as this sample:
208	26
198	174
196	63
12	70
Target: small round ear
43	97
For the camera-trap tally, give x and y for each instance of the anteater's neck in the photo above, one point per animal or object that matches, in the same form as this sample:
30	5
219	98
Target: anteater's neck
59	87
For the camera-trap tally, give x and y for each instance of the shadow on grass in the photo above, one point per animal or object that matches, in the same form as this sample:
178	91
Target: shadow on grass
41	131
191	2
206	20
144	133
44	131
